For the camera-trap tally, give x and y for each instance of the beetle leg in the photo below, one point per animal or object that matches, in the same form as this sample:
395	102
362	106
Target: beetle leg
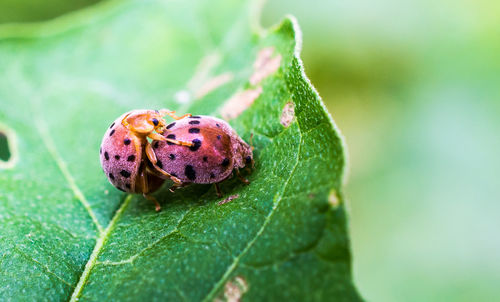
172	115
158	137
145	190
180	143
154	161
217	189
251	141
177	186
243	179
157	204
124	121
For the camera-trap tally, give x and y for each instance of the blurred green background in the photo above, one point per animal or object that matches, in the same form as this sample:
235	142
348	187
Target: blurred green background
415	88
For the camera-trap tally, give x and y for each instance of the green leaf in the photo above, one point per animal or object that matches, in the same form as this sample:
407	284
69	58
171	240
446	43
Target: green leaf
34	10
67	233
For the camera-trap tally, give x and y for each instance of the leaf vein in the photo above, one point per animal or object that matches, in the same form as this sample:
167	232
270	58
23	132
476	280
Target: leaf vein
249	245
97	249
63	167
43	266
133	257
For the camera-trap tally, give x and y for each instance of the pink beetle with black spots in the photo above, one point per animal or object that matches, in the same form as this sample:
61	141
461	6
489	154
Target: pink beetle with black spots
125	151
216	152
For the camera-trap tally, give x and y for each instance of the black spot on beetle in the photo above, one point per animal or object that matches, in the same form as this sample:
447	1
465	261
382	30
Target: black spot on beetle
106	155
194	122
159	164
196	144
225	162
155	145
127	186
218	126
190	172
112	132
194	130
112	125
212	175
117	157
195	116
219	137
111	176
248	159
131	158
127	141
170	125
172	156
155	122
171	136
205	159
125	173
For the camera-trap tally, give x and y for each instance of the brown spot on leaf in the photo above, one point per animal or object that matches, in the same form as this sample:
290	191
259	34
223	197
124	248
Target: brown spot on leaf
199	79
288	114
239	102
333	199
228	199
202	72
212	84
234	290
265	65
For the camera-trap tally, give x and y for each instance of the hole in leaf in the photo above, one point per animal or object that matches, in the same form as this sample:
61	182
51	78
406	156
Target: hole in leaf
4	147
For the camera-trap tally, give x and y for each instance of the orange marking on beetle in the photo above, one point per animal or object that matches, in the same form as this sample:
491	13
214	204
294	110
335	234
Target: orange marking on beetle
239	102
265	65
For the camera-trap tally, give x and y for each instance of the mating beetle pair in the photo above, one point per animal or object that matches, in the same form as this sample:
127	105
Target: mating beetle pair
193	149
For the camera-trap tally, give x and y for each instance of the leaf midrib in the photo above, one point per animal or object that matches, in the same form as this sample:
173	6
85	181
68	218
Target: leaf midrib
97	249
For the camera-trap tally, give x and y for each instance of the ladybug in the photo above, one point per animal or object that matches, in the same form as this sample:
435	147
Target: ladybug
125	148
215	152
